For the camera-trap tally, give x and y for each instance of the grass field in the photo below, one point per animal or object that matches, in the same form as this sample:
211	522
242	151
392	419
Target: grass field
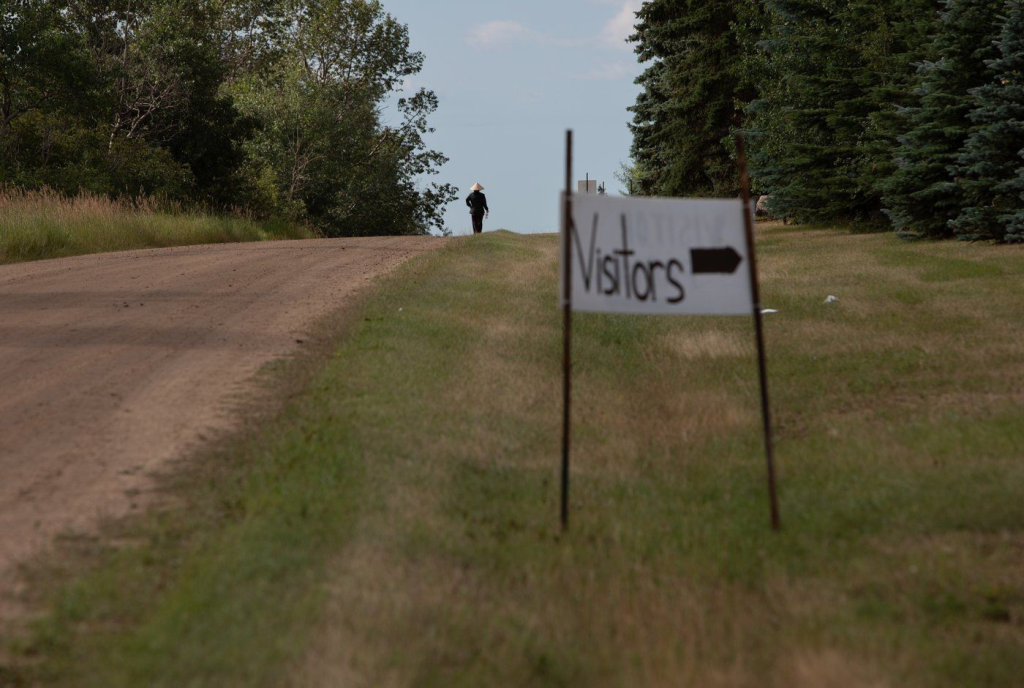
396	523
36	225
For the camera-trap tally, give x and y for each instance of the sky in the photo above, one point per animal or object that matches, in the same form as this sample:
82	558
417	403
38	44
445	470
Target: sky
512	76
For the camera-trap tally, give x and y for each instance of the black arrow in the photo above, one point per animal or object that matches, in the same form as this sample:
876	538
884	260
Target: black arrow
715	260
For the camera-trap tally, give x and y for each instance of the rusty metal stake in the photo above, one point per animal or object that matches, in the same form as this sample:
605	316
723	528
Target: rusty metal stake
567	329
766	412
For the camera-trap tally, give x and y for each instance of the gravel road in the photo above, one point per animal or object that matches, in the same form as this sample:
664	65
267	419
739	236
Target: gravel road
112	365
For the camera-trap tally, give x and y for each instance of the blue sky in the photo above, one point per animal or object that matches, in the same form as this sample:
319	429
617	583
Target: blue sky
512	76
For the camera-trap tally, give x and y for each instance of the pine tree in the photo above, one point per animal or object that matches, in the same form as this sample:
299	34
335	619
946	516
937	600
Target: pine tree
830	73
991	165
892	38
687	110
922	196
810	117
649	146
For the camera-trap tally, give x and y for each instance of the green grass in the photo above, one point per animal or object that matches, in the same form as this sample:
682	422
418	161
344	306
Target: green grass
38	225
397	524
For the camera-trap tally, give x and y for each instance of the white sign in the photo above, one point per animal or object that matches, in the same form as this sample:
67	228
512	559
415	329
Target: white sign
659	256
588	186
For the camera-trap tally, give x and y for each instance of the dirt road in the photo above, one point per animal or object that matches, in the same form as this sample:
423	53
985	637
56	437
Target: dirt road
111	365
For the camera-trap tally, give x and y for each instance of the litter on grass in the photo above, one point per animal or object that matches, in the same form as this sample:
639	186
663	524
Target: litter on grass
832	299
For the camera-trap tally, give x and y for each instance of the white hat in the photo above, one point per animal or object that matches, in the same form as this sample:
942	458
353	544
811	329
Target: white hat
477	187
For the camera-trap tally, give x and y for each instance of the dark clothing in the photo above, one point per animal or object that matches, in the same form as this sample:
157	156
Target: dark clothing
477	203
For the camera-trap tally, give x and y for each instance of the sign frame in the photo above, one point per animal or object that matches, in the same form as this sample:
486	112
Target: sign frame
757	312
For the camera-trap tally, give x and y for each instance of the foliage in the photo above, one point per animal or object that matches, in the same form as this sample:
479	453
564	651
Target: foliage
922	196
274	105
892	37
869	112
802	167
816	143
630	176
683	118
990	167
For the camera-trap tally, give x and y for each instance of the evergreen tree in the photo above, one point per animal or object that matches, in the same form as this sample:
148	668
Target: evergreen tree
894	39
691	98
991	165
805	128
922	196
830	71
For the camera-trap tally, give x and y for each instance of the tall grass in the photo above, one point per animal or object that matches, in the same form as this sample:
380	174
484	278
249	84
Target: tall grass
47	224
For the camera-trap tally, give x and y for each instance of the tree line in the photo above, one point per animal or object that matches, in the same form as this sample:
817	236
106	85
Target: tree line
901	113
280	107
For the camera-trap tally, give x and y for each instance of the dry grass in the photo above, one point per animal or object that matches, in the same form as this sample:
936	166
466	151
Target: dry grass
666	410
669	577
45	224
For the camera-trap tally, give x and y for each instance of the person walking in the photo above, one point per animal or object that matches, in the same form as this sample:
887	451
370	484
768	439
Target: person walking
477	203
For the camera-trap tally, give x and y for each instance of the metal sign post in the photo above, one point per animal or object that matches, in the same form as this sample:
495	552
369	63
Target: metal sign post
762	366
567	329
660	256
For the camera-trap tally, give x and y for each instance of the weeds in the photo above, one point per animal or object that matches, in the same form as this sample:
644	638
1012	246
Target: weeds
46	224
